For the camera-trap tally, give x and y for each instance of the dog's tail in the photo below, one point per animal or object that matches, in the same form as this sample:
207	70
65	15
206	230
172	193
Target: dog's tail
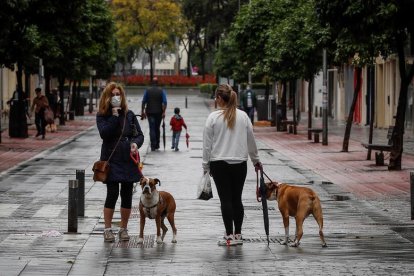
317	211
317	214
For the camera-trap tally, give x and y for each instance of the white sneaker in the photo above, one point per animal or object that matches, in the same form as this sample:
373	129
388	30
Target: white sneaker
123	234
238	239
227	240
108	235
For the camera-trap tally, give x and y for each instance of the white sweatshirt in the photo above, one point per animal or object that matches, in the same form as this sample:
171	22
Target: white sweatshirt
231	145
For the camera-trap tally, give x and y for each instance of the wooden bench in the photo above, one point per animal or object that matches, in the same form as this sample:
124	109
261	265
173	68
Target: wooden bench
315	132
379	156
291	125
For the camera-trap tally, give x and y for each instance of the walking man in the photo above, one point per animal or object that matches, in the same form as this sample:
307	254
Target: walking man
154	104
248	102
40	102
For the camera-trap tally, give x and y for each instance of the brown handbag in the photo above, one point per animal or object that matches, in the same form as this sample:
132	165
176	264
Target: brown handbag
100	171
101	168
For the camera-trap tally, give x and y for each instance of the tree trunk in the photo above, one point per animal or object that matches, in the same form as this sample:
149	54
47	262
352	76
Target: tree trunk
72	102
310	107
351	111
17	119
293	97
203	66
151	57
61	81
47	84
190	50
398	133
283	101
372	104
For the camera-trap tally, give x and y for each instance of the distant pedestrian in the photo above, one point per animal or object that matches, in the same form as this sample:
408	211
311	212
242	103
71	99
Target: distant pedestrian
248	102
116	122
39	105
53	99
154	104
228	140
177	123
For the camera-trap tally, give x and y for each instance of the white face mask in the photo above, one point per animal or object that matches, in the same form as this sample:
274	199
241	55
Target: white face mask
116	101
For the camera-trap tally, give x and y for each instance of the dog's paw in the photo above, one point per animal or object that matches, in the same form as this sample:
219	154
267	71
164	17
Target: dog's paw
295	244
174	241
284	242
140	241
159	240
324	245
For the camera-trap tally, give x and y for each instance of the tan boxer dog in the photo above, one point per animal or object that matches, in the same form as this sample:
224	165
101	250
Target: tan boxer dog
298	202
156	205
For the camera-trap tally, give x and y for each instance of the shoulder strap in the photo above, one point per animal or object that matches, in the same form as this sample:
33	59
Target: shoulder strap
119	139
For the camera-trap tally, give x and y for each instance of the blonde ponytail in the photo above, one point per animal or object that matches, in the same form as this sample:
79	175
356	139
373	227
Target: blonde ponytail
225	92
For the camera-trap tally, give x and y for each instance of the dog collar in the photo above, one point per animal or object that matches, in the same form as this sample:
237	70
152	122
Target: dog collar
150	207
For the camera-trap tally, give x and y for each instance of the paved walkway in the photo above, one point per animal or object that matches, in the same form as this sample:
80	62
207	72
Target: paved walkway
368	234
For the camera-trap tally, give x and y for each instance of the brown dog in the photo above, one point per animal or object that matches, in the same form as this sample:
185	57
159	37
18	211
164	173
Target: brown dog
298	202
156	205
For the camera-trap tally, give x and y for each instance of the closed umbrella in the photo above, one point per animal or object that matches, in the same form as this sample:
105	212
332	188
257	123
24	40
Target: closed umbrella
187	139
261	191
163	132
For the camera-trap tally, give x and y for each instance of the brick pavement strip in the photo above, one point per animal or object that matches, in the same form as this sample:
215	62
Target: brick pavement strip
363	238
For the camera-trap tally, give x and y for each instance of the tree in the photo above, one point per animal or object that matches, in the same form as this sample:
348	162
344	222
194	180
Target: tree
149	25
227	62
19	39
80	38
209	23
356	38
368	29
293	50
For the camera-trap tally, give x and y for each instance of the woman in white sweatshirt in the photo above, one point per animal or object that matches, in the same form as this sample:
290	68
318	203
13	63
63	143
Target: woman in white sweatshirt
227	141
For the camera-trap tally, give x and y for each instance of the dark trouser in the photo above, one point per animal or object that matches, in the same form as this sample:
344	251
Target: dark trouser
229	179
40	122
250	113
154	121
112	193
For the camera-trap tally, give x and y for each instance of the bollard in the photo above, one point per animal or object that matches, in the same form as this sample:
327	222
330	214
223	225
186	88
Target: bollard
186	102
72	207
412	194
80	176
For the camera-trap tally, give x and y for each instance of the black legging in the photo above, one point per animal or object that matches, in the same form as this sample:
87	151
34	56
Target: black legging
112	194
229	179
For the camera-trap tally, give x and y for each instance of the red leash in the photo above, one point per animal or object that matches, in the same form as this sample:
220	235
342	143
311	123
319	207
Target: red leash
136	158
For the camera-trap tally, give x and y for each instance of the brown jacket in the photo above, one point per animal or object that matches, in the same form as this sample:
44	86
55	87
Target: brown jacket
39	102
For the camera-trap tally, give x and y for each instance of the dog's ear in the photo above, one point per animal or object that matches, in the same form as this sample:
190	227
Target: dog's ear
156	180
142	180
272	185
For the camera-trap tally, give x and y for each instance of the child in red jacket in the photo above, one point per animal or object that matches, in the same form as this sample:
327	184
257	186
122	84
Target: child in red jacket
177	123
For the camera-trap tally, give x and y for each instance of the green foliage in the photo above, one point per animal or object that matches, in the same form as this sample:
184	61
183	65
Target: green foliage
294	47
278	38
209	21
147	25
207	88
69	36
361	34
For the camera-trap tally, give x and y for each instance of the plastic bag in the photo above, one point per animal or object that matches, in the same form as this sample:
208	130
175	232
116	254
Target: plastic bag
204	191
49	116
